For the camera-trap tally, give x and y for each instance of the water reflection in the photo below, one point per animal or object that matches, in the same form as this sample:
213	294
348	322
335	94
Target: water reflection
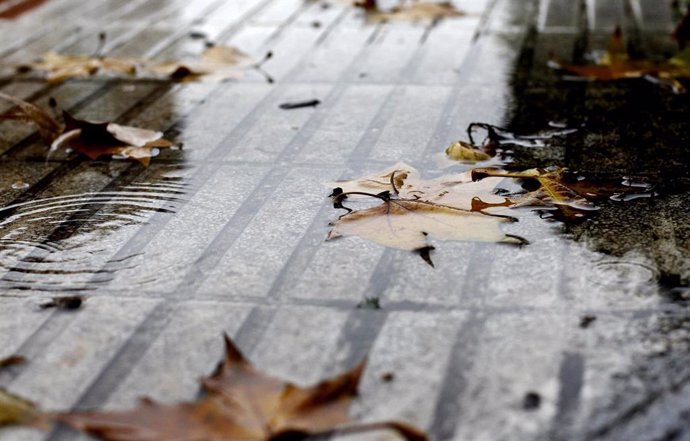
63	232
61	243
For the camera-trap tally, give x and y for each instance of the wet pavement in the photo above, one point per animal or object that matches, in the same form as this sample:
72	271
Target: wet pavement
584	334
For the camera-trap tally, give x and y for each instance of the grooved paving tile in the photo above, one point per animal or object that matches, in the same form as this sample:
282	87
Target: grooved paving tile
227	234
57	376
416	348
191	343
261	248
160	266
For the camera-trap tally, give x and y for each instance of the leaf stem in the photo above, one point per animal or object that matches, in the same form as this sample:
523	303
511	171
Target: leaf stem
395	189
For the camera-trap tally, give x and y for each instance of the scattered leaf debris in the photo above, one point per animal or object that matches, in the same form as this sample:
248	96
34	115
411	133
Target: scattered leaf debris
387	377
69	303
299	104
499	137
498	142
566	195
215	64
465	152
410	11
12	360
615	64
240	403
92	139
413	210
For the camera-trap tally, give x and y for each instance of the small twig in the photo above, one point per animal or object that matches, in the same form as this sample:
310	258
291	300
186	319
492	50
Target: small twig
98	53
299	104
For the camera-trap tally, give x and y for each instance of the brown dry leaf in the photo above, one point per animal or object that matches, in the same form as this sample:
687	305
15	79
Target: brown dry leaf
93	139
451	207
417	11
58	67
216	63
240	403
466	152
48	128
615	64
97	139
556	187
379	181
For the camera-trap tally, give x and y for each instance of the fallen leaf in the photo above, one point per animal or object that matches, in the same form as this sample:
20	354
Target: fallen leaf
456	190
18	411
217	63
389	179
48	128
57	68
97	139
615	64
417	11
240	403
558	188
412	210
407	225
497	143
465	152
93	139
12	360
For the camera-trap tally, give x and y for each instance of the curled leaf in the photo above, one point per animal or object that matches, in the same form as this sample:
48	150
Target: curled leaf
615	64
15	410
93	139
97	139
462	151
48	128
572	195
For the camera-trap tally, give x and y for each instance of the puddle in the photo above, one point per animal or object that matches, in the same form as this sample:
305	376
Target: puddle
62	243
617	273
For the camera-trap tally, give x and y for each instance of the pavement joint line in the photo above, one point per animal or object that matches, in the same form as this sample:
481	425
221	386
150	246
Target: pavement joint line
447	415
669	309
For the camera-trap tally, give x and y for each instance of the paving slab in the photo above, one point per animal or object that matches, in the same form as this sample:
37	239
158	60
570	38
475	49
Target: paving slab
582	334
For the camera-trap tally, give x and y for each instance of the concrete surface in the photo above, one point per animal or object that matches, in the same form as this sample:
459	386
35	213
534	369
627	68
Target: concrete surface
227	235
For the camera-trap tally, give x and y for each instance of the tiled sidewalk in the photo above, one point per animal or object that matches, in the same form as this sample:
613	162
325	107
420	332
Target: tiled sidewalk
227	235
